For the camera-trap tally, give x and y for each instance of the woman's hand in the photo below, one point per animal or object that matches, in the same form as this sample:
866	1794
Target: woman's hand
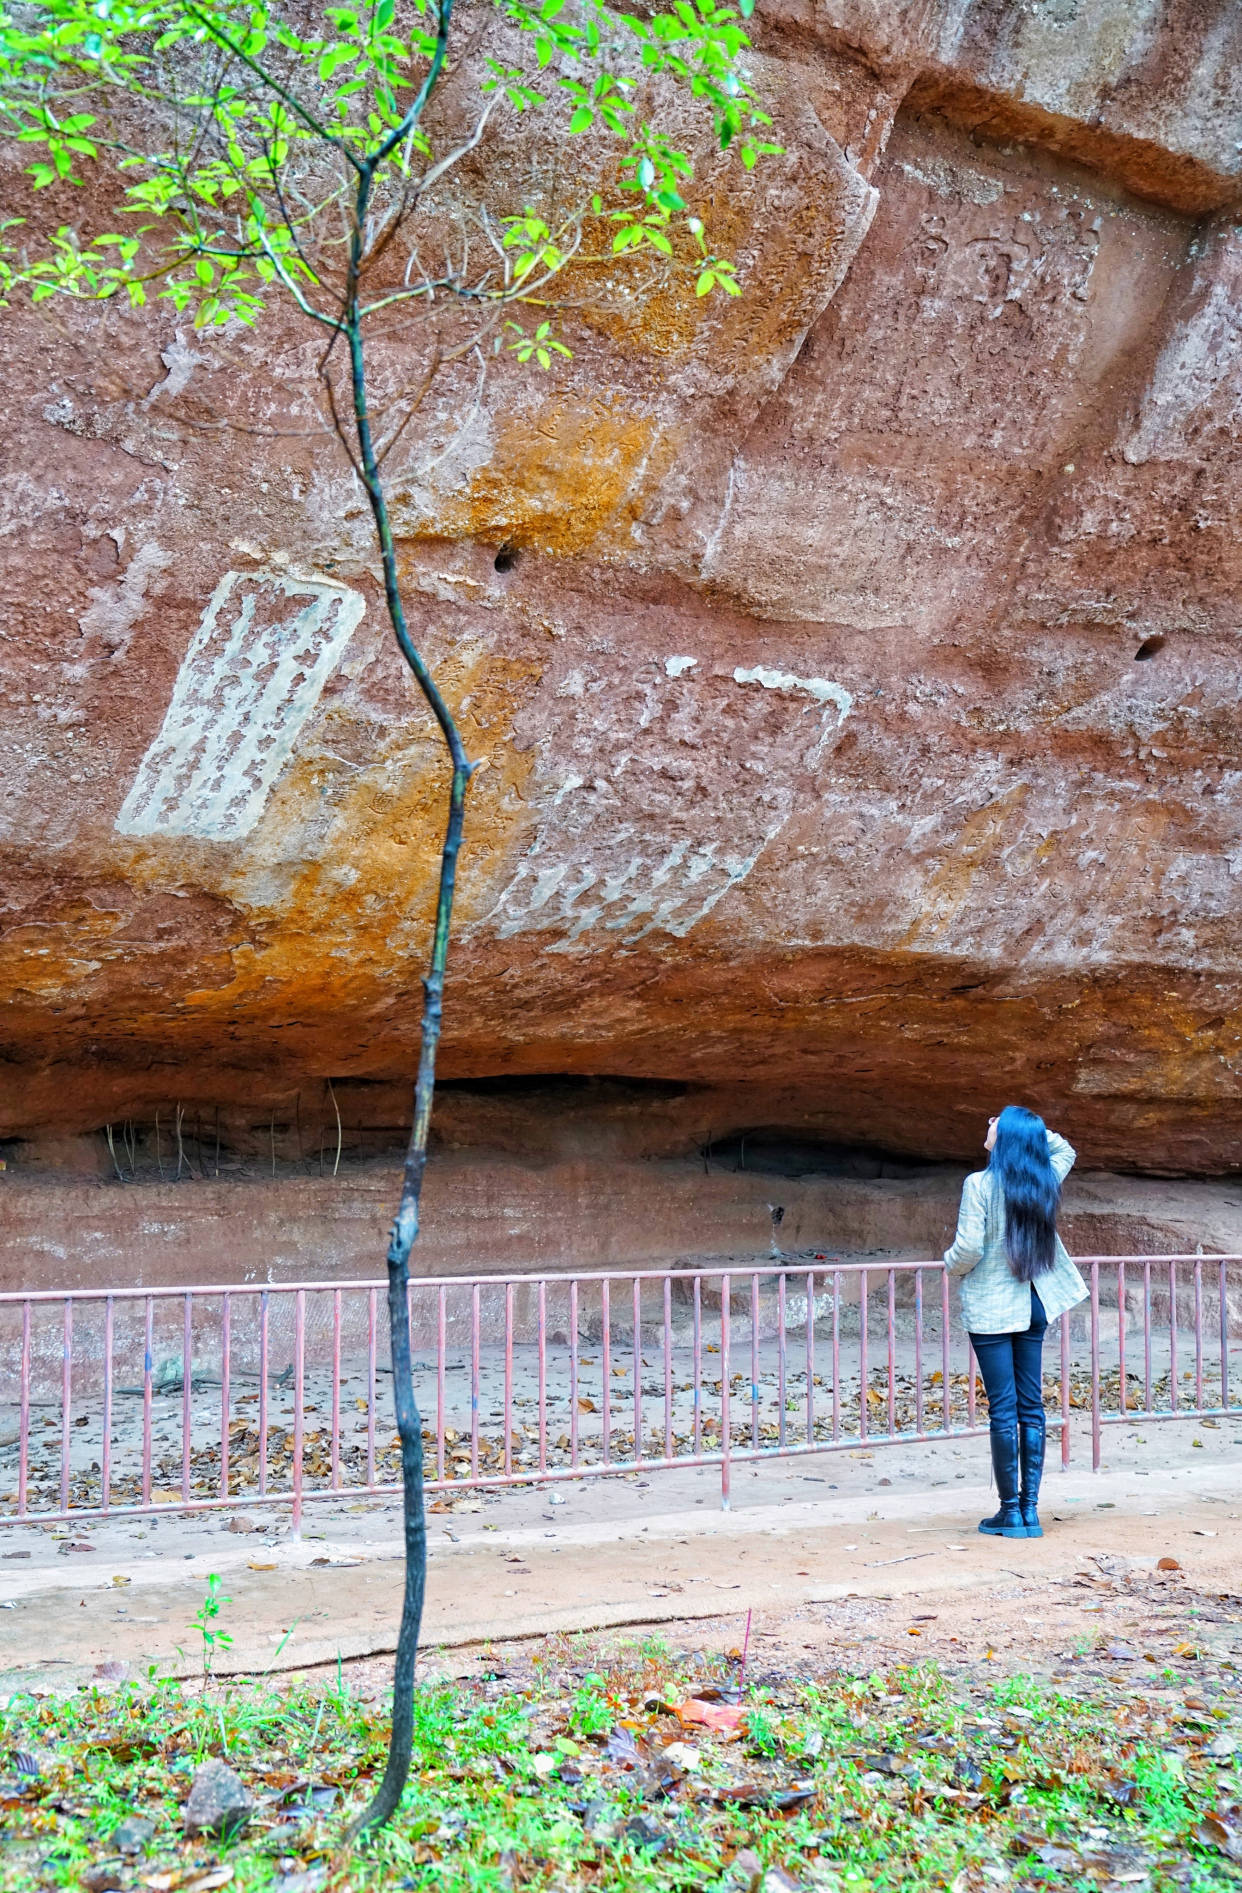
990	1140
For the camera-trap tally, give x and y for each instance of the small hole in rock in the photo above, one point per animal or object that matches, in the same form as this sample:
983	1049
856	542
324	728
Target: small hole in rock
1147	648
506	558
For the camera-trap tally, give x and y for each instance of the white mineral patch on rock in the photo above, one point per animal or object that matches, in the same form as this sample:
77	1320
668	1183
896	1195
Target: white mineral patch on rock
653	845
818	687
267	645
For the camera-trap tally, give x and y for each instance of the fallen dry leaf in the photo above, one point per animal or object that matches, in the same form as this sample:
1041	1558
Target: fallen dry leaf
1217	1831
724	1717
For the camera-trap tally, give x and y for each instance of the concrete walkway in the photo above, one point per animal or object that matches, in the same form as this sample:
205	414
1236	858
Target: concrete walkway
113	1611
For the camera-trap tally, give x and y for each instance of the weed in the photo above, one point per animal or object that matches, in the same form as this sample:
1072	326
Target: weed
590	1711
205	1616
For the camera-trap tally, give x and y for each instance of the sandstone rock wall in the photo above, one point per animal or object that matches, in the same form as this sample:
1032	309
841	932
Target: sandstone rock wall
857	678
491	1212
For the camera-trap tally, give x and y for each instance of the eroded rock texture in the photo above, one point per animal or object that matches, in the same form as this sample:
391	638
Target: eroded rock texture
857	675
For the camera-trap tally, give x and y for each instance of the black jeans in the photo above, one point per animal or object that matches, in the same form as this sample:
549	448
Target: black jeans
1012	1369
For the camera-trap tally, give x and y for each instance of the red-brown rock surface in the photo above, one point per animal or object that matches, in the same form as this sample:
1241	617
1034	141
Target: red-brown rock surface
860	709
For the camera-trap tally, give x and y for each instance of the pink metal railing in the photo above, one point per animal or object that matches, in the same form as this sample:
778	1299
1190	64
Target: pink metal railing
234	1415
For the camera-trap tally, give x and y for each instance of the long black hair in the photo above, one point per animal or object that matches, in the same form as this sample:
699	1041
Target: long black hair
1031	1192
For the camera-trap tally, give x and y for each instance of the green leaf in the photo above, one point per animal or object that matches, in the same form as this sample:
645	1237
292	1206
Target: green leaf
705	282
582	119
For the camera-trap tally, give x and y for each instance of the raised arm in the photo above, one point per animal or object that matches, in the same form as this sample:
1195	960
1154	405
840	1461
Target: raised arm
971	1227
1061	1156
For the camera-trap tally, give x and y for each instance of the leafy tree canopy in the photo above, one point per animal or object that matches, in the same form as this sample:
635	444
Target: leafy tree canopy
241	131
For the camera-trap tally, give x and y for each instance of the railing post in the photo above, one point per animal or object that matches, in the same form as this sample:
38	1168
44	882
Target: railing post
725	1442
299	1414
1065	1391
1095	1367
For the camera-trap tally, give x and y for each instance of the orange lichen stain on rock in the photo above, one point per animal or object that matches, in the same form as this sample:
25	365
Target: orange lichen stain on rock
557	481
342	909
949	886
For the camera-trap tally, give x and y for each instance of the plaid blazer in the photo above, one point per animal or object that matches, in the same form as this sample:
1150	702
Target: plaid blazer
994	1301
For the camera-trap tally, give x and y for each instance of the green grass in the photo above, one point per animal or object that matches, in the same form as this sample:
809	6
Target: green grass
906	1779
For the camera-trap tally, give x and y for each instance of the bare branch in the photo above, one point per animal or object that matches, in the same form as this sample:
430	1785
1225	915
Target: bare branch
382	453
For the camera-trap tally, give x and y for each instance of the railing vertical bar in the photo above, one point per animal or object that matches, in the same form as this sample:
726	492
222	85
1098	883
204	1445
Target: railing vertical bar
66	1401
1173	1337
946	1378
372	1377
148	1347
187	1393
336	1390
543	1376
299	1404
1123	1395
726	1444
605	1315
441	1375
105	1474
697	1425
1224	1337
810	1357
668	1368
1147	1380
264	1349
226	1361
474	1382
23	1416
918	1352
573	1373
638	1368
864	1364
507	1457
1095	1367
892	1351
1065	1391
1198	1333
836	1354
782	1358
754	1362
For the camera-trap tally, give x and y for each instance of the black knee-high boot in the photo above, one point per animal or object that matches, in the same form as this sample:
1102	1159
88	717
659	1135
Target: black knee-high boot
1031	1436
1007	1522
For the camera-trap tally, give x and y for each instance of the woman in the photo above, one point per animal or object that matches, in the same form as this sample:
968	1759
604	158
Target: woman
1018	1278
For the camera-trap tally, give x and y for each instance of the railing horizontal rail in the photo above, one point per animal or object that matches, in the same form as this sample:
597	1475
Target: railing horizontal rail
151	1401
765	1269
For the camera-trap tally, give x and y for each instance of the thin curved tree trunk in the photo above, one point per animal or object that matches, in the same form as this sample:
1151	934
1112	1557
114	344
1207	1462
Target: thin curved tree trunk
404	1232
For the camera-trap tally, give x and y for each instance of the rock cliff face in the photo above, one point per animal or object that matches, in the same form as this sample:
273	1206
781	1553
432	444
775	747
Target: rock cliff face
857	680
